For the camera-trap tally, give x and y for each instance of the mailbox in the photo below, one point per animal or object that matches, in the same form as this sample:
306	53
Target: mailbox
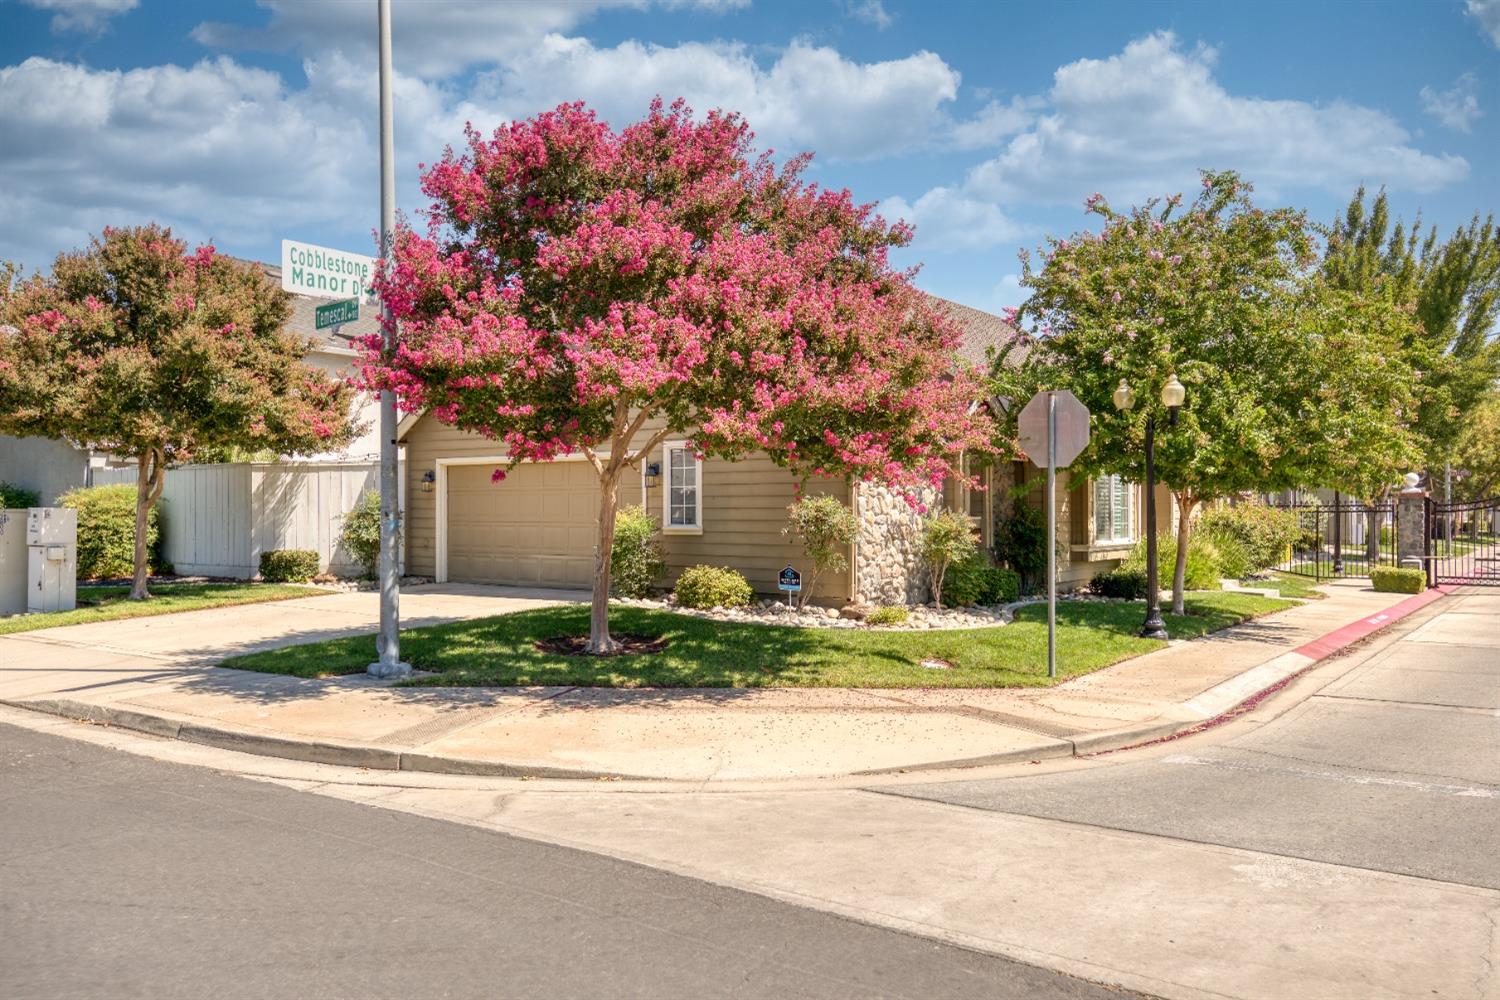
51	559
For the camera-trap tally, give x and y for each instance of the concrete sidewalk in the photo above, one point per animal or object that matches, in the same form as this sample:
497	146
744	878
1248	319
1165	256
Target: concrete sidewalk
157	675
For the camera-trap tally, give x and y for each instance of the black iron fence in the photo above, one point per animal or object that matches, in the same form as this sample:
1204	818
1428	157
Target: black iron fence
1342	539
1463	542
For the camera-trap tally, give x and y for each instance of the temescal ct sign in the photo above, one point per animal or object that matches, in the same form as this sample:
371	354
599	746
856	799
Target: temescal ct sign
331	274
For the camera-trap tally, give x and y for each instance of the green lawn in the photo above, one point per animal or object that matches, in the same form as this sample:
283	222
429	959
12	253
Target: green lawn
702	653
1289	585
108	603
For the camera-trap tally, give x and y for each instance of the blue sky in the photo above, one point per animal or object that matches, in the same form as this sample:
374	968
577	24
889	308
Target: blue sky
986	124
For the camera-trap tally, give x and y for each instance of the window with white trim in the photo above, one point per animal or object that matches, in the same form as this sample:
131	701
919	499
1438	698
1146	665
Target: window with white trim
683	495
1114	511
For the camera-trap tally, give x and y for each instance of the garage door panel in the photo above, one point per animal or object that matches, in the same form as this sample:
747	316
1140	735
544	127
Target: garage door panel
535	527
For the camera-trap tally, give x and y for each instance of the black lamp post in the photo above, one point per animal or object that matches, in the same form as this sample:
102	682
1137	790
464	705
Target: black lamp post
1172	395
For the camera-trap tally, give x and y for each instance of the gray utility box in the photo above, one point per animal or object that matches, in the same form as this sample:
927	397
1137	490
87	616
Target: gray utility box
12	561
51	559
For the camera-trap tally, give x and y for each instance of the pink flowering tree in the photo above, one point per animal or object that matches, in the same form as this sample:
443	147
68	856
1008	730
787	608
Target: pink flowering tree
144	349
588	291
1286	383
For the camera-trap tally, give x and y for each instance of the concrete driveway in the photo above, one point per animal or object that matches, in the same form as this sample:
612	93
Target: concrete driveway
102	656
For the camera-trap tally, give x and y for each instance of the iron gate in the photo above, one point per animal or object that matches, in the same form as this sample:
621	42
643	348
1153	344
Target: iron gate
1342	539
1463	542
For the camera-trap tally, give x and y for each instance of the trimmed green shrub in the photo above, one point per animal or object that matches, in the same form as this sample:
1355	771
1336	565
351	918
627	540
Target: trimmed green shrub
712	587
826	528
1203	570
361	531
635	560
1234	558
1398	580
1121	582
1265	533
947	540
888	615
975	581
106	531
1021	544
288	565
14	497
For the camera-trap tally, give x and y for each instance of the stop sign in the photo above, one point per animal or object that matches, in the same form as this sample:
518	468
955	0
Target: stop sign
1072	421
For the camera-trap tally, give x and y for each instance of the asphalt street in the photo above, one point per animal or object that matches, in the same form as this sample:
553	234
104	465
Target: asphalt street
1393	767
122	876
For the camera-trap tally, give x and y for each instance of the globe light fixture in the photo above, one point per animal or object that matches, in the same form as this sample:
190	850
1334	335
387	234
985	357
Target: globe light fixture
1173	393
1124	397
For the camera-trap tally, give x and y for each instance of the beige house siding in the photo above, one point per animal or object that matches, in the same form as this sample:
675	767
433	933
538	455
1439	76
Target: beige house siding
744	510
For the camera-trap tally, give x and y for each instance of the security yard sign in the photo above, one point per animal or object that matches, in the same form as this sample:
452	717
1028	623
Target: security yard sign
336	314
789	580
325	273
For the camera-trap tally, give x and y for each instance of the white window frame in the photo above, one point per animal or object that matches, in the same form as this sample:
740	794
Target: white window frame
1128	492
667	527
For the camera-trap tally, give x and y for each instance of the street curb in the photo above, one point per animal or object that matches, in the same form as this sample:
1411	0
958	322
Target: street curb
1206	710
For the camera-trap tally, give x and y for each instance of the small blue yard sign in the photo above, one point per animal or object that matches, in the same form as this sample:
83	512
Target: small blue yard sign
789	580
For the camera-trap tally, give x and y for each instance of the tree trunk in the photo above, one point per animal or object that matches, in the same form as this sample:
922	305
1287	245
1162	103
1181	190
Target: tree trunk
609	497
148	484
1185	504
1372	538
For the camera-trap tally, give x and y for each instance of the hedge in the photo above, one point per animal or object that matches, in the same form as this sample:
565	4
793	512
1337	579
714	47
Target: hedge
975	581
14	497
712	587
1398	580
1128	583
288	565
106	531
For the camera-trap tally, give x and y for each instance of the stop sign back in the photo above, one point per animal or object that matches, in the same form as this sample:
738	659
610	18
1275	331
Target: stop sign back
1072	419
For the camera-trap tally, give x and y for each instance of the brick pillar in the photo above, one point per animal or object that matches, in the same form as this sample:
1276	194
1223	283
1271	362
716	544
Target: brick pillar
1411	525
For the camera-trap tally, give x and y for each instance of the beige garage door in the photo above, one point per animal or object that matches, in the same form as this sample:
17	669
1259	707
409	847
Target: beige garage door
535	528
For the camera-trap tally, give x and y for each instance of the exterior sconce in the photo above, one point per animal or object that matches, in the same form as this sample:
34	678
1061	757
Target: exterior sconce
653	473
429	481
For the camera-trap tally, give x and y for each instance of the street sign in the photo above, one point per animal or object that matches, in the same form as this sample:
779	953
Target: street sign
789	580
1072	428
336	314
327	273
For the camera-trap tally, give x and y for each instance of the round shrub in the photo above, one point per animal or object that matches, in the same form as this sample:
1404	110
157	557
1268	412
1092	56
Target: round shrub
288	565
106	531
712	587
1203	568
975	581
361	531
888	615
635	561
18	497
1124	583
1265	533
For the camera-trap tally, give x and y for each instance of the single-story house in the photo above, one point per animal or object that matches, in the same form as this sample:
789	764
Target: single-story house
537	526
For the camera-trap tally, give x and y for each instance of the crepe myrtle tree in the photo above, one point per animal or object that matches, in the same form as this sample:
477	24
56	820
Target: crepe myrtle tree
1213	292
582	290
140	347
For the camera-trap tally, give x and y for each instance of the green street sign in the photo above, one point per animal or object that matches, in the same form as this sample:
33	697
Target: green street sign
335	313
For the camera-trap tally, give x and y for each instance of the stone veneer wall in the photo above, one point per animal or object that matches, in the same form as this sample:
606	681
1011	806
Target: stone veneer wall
888	567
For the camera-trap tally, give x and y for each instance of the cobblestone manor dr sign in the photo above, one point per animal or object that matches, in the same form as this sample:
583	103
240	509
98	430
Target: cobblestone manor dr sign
325	273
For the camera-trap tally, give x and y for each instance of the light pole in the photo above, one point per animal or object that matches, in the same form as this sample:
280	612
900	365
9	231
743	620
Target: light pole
1172	395
388	645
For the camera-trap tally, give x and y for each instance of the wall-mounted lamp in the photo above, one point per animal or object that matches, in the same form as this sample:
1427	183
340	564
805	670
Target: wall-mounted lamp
653	473
429	481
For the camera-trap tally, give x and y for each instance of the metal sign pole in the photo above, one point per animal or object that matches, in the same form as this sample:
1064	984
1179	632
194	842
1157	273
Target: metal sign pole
1051	534
388	646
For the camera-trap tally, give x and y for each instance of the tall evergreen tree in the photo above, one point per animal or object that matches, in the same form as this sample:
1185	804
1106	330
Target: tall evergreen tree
1453	289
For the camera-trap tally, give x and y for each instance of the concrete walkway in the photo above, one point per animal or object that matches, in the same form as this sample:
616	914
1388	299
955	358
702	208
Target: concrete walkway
158	675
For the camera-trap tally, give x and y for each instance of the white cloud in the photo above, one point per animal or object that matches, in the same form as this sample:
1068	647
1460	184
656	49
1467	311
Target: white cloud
1144	121
947	219
859	109
871	12
82	15
1458	106
993	123
1487	13
434	38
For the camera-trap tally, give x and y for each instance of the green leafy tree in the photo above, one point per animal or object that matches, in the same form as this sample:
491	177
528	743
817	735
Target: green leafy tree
140	347
1479	452
826	527
1215	293
1453	290
947	538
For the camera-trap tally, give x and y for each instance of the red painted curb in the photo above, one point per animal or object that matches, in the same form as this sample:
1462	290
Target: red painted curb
1327	645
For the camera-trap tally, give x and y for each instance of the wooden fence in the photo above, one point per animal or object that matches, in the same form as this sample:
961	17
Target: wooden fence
218	519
